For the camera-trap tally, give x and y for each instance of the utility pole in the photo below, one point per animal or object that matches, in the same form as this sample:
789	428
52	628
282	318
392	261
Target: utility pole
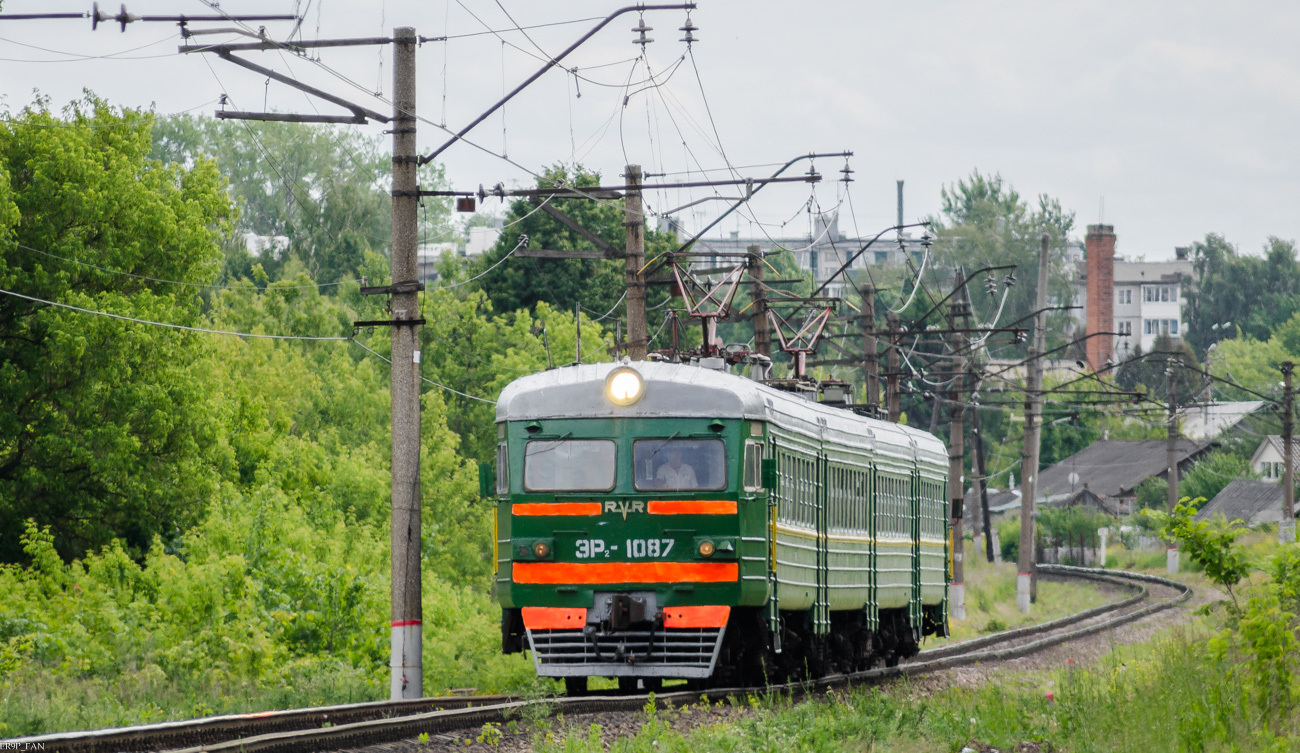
406	631
1029	453
762	336
634	222
1171	461
956	458
1286	529
983	479
870	351
1171	443
891	380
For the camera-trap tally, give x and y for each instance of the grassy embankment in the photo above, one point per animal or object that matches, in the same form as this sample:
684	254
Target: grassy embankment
1216	684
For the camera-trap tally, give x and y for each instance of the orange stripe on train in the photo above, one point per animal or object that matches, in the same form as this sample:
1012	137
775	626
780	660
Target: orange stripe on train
696	617
552	618
625	572
691	507
556	508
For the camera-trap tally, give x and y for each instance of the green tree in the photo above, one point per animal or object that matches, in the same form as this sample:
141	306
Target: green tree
324	188
1149	374
103	434
1254	293
984	221
1213	472
522	282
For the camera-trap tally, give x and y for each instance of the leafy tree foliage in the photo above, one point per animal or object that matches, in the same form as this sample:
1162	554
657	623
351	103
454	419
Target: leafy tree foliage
323	188
1213	472
521	283
1149	374
104	434
1254	294
984	221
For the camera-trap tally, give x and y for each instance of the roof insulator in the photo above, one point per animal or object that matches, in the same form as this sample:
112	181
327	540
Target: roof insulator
689	28
641	29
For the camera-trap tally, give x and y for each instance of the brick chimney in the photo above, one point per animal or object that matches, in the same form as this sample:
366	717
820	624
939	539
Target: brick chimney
1100	260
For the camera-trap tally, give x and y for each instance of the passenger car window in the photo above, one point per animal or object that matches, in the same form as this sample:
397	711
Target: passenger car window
569	465
679	464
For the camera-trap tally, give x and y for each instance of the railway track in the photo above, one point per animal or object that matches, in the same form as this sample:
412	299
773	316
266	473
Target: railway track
355	725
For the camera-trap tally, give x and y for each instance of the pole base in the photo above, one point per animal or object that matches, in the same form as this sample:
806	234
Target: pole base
1022	592
957	601
1171	562
405	640
1286	532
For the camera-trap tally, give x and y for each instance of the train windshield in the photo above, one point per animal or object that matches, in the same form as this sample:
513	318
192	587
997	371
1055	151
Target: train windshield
680	464
569	465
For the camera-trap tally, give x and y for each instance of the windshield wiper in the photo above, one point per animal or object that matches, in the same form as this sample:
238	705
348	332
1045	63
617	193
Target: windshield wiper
663	445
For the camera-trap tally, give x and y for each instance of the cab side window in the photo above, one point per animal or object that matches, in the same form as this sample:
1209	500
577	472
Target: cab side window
753	466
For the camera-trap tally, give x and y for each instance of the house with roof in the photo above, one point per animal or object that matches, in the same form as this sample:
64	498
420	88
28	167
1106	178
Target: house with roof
1207	420
1109	471
1269	460
1251	502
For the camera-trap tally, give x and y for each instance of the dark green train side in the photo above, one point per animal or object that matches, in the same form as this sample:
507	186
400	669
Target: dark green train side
714	529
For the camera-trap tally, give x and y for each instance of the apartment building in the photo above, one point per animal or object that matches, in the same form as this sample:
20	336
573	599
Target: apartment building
1138	300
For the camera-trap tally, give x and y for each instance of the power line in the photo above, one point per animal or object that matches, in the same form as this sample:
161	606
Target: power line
166	325
423	378
172	282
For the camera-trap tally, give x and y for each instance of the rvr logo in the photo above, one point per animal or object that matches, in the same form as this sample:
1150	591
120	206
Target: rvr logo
625	507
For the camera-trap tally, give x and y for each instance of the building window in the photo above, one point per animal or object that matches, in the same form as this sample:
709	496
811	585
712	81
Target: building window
1125	328
1173	326
1159	293
1124	296
1148	326
882	257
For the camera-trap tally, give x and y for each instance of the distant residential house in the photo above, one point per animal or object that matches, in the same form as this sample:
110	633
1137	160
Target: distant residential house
1269	460
1108	470
1204	421
1251	502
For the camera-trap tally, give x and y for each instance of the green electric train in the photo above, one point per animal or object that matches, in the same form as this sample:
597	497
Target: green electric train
658	520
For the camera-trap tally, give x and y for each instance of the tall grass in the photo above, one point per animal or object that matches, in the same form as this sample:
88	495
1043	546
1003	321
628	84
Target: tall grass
1169	695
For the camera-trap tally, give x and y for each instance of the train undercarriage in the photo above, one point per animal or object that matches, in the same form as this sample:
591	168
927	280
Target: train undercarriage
630	643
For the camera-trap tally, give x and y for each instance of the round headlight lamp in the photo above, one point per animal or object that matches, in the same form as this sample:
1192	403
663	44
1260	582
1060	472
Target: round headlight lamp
707	549
624	386
541	550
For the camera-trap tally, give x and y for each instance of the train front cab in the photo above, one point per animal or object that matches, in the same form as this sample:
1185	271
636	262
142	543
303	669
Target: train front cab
626	546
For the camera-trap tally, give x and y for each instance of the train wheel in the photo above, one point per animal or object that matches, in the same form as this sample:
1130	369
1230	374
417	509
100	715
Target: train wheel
575	686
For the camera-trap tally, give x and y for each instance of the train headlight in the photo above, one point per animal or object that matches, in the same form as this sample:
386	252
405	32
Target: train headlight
624	386
541	550
707	549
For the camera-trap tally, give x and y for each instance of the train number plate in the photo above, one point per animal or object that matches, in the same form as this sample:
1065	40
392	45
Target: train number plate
633	549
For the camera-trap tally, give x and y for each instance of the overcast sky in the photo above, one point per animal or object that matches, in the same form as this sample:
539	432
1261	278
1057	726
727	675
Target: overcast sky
1168	120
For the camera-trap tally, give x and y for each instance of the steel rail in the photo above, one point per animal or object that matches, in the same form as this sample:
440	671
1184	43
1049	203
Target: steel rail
354	725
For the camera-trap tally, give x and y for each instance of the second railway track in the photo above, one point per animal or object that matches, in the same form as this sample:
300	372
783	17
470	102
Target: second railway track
355	725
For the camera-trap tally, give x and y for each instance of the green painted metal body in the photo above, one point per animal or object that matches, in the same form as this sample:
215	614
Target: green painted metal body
849	529
626	520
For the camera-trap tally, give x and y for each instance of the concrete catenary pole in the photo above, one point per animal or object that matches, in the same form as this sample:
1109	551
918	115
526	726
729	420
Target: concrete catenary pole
762	336
870	349
407	676
982	472
1286	529
1171	459
956	459
1033	434
891	379
634	224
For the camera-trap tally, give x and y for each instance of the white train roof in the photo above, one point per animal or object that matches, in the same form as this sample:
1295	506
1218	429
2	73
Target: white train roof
679	390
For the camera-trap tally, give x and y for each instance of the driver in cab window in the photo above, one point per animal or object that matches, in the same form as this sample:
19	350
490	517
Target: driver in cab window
675	474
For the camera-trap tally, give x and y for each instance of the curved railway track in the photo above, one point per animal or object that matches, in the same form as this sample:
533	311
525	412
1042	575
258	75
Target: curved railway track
355	725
